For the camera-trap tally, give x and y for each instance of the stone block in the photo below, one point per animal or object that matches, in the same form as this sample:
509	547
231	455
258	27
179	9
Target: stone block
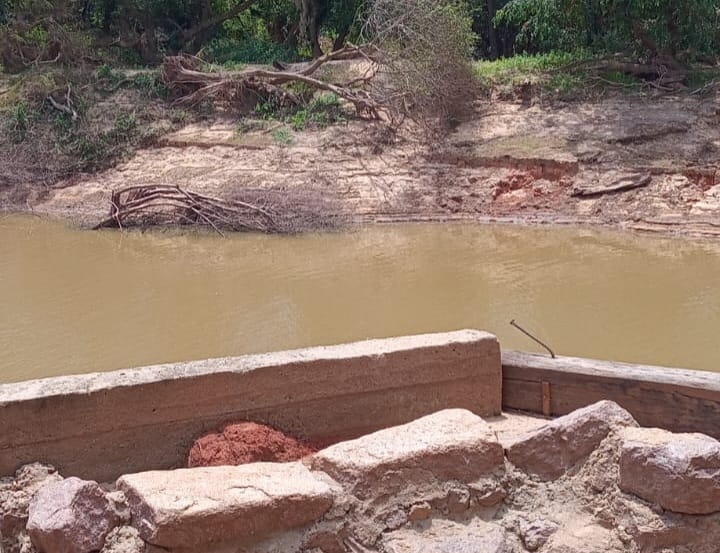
453	444
549	451
212	505
679	472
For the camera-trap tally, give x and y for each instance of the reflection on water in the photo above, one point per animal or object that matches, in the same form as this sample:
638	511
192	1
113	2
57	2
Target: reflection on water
91	301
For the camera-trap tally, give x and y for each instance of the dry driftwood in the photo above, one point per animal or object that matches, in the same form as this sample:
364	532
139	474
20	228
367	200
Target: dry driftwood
182	75
627	182
160	203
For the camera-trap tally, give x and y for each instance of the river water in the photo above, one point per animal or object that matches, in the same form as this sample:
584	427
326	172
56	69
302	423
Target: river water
75	301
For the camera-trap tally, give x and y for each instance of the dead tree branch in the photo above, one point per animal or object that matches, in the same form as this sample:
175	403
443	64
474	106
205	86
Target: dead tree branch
191	85
165	203
67	107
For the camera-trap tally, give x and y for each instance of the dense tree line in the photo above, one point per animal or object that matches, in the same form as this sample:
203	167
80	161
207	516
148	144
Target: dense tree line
33	31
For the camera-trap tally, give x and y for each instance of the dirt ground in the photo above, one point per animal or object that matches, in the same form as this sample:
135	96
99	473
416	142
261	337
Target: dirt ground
512	162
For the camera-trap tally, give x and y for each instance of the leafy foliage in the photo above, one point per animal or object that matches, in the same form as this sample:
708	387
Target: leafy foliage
427	47
318	112
649	27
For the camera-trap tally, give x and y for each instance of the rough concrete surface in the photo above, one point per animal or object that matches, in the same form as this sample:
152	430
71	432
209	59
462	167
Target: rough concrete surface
449	537
453	444
15	496
285	508
141	419
679	472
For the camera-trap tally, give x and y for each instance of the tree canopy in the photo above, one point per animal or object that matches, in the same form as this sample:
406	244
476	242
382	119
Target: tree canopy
143	31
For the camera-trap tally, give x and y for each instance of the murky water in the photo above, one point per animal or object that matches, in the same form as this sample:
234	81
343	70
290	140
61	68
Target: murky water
93	301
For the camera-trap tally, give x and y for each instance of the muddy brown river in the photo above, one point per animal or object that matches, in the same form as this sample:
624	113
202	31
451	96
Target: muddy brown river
75	301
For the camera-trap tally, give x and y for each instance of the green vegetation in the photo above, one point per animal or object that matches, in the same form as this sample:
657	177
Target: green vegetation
681	30
135	32
520	69
282	136
81	84
319	112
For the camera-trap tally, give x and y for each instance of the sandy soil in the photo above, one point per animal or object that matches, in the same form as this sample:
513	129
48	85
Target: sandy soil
511	162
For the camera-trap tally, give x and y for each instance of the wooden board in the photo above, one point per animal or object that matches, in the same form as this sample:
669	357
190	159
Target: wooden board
677	399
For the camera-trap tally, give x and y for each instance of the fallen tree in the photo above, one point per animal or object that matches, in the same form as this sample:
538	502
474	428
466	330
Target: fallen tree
415	63
192	86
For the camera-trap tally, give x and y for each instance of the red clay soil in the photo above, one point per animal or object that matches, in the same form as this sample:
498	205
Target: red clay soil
245	442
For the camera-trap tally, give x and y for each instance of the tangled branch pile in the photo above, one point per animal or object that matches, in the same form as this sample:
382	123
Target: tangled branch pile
260	210
164	203
23	45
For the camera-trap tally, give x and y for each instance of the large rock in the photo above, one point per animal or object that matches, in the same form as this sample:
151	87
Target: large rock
536	533
449	537
679	472
210	505
245	442
71	516
15	496
552	449
453	444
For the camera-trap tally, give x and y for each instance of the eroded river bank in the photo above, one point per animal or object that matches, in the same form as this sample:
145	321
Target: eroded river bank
643	163
79	301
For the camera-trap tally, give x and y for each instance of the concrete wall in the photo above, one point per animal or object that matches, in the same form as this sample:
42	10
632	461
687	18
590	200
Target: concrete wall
102	425
679	400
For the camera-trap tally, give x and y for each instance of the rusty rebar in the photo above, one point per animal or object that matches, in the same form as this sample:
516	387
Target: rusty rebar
543	344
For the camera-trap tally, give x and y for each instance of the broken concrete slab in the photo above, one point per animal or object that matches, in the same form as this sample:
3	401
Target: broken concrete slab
453	444
549	451
211	505
679	472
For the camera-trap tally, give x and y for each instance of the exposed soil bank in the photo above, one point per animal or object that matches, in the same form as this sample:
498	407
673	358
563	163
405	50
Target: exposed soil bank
547	162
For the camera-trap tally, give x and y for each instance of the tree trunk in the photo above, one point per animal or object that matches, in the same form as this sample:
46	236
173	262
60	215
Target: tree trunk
148	42
340	39
310	20
313	29
673	30
492	35
109	7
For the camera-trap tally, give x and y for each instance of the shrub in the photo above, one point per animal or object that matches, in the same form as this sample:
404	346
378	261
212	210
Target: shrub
427	50
250	49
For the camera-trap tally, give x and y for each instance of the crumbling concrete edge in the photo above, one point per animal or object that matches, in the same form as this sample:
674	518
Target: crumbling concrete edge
144	419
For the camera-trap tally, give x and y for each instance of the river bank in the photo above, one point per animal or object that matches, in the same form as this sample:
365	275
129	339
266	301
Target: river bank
633	162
